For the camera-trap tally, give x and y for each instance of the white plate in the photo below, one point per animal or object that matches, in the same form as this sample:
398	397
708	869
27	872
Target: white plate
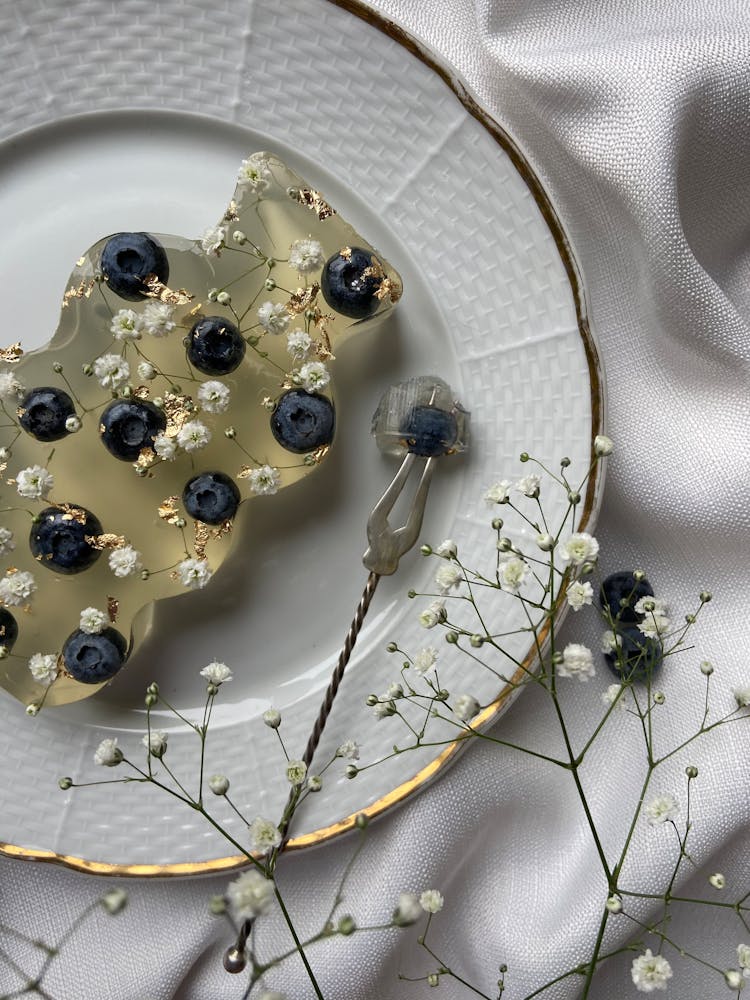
134	120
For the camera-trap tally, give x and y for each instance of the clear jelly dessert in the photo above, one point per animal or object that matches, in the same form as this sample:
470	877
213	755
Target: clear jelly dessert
185	378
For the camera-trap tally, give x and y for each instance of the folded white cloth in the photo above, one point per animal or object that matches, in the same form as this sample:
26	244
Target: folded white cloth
635	116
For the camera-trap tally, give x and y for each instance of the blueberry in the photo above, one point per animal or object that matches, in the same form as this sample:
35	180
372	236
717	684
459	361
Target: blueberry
215	346
345	287
623	587
127	426
211	497
42	413
128	259
303	421
428	430
58	538
8	629
92	659
640	655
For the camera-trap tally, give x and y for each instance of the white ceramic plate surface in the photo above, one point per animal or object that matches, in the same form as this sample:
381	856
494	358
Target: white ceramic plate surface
125	116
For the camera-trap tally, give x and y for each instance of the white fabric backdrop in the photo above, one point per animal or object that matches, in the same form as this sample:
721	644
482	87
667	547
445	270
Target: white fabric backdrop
635	116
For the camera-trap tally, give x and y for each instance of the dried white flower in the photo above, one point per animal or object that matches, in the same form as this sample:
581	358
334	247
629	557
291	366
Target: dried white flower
10	388
314	376
264	835
108	754
165	447
265	481
7	544
213	240
249	895
214	396
146	371
656	621
216	673
158	319
465	707
306	256
650	972
125	561
296	770
581	547
425	660
111	371
273	318
734	979
254	173
194	573
529	485
498	492
126	325
661	809
512	572
579	594
447	549
743	957
193	435
433	615
34	482
348	750
447	577
43	667
408	910
298	343
431	901
93	621
611	642
577	662
156	743
16	588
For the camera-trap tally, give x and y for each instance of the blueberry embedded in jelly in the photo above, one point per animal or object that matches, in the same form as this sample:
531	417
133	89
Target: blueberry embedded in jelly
58	538
211	497
92	659
345	285
215	346
639	656
429	431
303	421
8	629
43	411
129	259
127	426
620	592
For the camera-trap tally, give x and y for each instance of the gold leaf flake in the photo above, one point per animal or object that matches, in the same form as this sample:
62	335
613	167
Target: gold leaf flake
375	270
71	513
323	347
244	472
82	291
158	290
168	510
346	253
314	200
11	570
317	456
10	355
107	540
303	298
196	309
178	409
113	608
142	392
146	458
223	529
202	536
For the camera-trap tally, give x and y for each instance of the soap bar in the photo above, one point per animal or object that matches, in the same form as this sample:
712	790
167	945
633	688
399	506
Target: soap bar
185	378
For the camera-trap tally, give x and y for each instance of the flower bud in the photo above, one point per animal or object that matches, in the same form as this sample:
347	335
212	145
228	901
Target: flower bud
603	445
65	783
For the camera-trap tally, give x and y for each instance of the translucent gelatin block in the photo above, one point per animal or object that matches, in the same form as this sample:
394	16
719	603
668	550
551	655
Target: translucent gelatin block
185	377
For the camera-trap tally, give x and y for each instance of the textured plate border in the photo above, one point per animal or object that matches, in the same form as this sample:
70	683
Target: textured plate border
587	519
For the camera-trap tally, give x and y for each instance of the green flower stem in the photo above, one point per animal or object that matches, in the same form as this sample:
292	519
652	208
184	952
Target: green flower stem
672	944
298	944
